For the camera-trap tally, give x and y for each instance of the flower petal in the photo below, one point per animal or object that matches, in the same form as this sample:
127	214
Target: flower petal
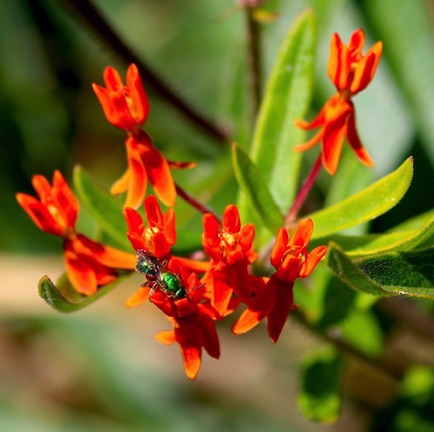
166	337
138	298
159	174
313	258
303	233
279	247
139	98
356	144
231	219
247	321
138	176
339	63
332	142
282	306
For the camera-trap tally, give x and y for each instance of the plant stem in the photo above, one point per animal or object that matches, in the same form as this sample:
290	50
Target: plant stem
303	192
253	60
202	208
98	24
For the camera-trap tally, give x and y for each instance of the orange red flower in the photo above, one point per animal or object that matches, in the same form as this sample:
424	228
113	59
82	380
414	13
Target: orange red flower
230	248
145	163
127	107
158	236
351	72
191	317
56	209
89	264
276	298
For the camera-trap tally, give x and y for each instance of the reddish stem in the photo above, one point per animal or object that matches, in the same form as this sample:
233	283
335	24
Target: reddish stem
202	208
303	192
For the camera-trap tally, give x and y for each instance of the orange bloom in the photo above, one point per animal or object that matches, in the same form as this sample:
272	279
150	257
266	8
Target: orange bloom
145	163
192	320
336	121
158	236
56	210
350	72
348	68
231	251
125	107
276	299
89	264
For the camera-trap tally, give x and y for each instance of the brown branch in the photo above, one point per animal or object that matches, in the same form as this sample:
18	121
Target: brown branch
202	208
97	24
253	59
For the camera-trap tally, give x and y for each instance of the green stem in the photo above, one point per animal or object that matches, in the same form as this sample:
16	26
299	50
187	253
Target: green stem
97	24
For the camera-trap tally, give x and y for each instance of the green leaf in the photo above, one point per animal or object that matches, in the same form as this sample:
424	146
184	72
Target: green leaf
402	273
338	303
365	205
64	298
389	274
287	97
319	398
103	206
346	270
414	222
374	244
253	185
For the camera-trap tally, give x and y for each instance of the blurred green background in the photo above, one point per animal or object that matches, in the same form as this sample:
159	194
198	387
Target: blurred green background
101	369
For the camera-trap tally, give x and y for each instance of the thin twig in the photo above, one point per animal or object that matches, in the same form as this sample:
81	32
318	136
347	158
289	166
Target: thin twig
303	193
202	208
98	25
253	59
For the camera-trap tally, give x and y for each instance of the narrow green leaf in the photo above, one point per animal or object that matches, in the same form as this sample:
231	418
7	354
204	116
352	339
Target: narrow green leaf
347	271
287	97
402	273
391	274
374	244
64	298
365	205
253	185
103	206
414	222
319	397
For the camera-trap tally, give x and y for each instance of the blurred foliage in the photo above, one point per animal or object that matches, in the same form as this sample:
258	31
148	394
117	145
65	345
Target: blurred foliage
54	376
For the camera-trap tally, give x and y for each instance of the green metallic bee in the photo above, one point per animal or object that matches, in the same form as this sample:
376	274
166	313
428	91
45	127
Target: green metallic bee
157	277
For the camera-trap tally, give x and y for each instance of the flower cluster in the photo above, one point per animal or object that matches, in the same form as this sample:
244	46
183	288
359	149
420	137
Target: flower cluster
127	107
194	294
89	264
350	71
